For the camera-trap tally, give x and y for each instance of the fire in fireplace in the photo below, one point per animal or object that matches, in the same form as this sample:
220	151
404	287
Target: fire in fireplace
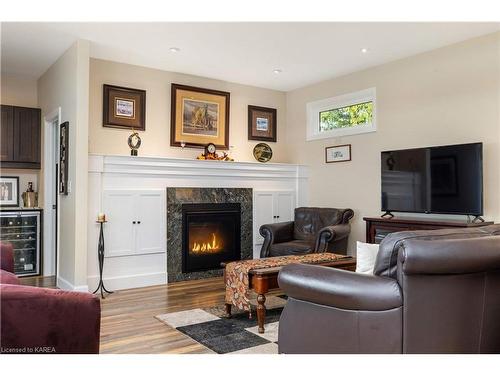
210	235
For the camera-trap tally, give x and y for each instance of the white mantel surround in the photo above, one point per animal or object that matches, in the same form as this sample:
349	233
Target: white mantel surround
155	174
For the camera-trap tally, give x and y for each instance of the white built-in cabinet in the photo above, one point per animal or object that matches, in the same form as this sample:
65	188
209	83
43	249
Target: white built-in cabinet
271	207
136	222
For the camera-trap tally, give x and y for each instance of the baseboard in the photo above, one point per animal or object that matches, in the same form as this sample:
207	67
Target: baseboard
129	281
66	285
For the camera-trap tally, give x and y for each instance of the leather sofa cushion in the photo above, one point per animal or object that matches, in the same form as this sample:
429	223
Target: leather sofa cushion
387	257
8	278
295	247
310	220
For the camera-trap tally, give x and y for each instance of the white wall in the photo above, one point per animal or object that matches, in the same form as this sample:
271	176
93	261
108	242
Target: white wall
65	84
446	96
156	138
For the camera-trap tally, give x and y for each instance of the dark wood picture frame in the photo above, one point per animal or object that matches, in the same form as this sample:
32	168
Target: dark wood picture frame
16	204
337	146
63	157
136	121
253	132
173	117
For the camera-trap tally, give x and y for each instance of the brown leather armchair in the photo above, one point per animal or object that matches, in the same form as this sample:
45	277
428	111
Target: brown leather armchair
314	230
431	292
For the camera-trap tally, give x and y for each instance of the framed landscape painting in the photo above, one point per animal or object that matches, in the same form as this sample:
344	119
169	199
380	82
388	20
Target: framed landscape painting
261	123
199	116
124	108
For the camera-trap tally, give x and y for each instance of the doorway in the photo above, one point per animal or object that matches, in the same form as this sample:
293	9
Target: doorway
51	195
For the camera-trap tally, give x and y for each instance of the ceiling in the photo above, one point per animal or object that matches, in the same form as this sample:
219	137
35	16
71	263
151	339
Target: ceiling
245	53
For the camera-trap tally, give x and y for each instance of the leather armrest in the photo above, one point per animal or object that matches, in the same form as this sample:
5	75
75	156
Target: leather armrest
62	321
331	233
339	288
275	233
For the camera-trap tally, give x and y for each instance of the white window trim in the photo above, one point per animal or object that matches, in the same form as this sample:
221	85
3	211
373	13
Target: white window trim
314	109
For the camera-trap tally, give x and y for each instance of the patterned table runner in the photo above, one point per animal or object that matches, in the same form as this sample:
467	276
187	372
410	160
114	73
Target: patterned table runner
237	284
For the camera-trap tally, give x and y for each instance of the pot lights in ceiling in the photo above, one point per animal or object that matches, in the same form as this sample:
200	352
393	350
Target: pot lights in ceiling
277	71
174	49
364	50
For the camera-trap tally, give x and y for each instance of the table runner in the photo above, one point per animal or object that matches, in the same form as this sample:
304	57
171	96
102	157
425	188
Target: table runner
237	285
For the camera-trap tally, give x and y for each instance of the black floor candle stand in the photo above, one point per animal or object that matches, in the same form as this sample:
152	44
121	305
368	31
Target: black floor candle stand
100	255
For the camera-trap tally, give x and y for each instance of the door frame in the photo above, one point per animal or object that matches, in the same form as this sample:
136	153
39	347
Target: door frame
51	147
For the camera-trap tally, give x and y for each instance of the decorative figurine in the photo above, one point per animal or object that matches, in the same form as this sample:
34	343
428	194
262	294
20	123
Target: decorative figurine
30	197
134	142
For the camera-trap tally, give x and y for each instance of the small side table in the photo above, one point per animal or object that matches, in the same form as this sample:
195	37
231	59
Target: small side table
100	256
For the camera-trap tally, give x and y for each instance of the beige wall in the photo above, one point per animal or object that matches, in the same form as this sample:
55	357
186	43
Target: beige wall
450	95
19	90
65	85
156	138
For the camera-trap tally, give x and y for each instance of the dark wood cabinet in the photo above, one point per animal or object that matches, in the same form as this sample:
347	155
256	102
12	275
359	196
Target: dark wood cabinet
377	228
21	137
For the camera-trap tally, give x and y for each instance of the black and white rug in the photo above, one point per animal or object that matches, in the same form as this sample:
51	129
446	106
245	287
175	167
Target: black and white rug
235	335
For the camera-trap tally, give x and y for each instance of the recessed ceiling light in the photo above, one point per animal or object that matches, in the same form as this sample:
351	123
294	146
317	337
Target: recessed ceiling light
174	49
277	71
364	50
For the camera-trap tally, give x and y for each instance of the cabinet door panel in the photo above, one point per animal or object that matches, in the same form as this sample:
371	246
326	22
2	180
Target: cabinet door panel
150	229
264	212
285	202
7	133
119	232
26	135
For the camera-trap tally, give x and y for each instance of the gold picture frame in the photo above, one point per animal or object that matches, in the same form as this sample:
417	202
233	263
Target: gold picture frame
199	116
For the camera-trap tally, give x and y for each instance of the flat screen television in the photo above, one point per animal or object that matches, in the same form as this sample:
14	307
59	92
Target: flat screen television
443	179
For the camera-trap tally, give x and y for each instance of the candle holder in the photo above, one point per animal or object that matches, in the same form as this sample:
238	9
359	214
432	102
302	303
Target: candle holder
100	256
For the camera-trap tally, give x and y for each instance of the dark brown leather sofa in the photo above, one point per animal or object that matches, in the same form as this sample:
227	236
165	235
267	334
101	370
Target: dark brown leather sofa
313	230
432	292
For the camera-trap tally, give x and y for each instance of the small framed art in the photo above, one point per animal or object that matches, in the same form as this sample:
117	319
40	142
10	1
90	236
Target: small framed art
9	191
124	108
261	124
335	154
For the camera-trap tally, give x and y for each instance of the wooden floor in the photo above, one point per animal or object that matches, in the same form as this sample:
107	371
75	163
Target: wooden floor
127	316
128	324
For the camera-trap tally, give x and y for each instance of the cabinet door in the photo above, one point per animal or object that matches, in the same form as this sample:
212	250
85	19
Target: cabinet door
27	135
7	133
151	223
119	231
285	205
263	212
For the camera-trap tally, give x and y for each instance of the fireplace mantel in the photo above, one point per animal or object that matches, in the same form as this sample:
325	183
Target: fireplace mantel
141	180
162	166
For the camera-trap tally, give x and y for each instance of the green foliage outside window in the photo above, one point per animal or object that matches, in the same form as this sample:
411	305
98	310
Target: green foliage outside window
346	117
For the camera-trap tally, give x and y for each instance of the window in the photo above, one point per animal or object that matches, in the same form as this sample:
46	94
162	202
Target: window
347	114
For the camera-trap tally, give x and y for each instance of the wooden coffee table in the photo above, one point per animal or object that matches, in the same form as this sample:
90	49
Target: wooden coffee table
261	281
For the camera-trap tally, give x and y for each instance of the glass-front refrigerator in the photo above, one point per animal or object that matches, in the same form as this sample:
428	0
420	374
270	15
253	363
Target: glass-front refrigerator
22	229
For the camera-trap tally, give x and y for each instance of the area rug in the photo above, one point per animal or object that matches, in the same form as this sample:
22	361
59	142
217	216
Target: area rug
236	335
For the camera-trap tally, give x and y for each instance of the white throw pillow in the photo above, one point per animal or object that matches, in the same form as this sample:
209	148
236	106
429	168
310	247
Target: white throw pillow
366	253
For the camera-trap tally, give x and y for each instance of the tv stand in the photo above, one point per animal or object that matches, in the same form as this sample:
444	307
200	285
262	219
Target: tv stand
477	219
387	214
379	227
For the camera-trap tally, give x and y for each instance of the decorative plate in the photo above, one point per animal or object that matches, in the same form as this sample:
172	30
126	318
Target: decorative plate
262	152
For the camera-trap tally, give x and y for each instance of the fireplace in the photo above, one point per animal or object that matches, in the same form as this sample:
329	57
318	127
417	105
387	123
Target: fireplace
210	235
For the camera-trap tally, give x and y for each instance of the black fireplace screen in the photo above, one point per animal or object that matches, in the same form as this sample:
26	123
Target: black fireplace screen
210	235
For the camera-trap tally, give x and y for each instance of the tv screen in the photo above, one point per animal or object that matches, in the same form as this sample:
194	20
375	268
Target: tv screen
444	179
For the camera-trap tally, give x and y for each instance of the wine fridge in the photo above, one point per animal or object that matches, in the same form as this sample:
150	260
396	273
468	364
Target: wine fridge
22	229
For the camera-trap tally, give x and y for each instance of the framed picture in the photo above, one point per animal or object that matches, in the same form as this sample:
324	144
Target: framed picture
199	116
261	123
339	153
63	157
124	108
9	191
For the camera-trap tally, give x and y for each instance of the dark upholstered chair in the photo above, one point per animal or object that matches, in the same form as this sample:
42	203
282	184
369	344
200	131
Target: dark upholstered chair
314	230
431	292
45	320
